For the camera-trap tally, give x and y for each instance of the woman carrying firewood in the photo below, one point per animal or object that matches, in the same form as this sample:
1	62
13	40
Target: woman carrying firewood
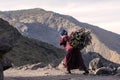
73	58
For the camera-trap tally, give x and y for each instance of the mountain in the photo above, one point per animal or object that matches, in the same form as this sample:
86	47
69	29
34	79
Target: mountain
45	26
26	50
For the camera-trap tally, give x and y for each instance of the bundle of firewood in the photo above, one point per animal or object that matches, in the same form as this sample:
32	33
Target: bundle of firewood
80	38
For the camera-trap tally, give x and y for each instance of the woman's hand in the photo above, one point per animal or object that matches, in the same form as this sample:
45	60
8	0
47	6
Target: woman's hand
63	36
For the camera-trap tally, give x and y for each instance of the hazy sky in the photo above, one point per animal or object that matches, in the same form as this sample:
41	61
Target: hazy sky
103	13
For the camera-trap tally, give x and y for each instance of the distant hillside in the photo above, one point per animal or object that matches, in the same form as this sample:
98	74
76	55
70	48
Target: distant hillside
26	50
45	26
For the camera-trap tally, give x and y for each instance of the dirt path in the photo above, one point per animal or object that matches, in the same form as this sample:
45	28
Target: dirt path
52	74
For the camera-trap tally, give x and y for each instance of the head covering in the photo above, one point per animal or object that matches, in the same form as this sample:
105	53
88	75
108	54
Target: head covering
63	32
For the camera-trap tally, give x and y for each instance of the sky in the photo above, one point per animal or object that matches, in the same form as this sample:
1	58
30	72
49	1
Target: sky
102	13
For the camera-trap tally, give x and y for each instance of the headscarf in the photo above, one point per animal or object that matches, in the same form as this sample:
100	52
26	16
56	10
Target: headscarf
63	32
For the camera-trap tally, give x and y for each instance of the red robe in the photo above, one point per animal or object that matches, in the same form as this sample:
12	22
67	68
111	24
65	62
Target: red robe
73	58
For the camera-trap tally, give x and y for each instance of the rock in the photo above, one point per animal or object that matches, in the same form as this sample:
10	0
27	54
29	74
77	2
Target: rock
6	63
104	71
56	62
4	47
118	74
1	70
118	70
95	64
38	65
50	66
61	66
31	66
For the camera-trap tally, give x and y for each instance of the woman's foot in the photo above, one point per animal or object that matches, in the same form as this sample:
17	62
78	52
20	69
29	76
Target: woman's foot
68	72
86	72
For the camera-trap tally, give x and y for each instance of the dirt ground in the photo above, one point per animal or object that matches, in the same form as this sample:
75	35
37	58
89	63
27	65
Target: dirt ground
52	74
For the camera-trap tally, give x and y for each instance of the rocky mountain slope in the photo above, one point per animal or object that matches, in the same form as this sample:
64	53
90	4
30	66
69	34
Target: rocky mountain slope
26	50
45	26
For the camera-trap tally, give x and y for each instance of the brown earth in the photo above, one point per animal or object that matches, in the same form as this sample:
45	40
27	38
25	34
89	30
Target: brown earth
52	74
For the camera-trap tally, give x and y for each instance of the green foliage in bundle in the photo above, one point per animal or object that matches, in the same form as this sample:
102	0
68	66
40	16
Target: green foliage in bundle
80	38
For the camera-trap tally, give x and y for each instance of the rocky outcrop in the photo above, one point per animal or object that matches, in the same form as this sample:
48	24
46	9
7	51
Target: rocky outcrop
1	71
105	71
118	70
4	63
95	64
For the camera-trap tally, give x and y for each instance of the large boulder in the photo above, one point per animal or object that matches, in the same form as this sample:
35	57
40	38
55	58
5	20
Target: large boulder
95	64
105	71
118	70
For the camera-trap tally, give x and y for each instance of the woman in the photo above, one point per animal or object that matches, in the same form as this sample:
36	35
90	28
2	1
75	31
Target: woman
73	58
